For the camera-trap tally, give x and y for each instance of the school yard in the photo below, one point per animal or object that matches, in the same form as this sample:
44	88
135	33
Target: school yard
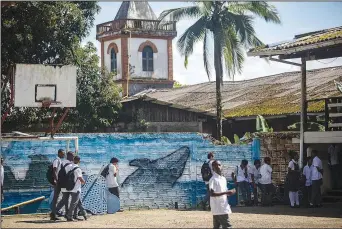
242	217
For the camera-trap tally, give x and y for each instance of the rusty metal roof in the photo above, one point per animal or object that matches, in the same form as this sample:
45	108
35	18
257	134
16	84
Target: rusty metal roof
302	42
270	95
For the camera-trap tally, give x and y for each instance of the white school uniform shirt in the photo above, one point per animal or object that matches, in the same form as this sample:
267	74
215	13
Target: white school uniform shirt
57	164
292	164
253	170
333	153
315	175
78	174
307	174
266	174
240	174
219	204
211	168
111	180
2	174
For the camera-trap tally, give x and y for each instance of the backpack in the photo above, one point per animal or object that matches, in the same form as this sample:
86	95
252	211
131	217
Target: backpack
49	174
105	171
70	179
206	171
62	175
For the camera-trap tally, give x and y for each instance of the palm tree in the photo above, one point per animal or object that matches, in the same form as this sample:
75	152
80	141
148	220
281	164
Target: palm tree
230	26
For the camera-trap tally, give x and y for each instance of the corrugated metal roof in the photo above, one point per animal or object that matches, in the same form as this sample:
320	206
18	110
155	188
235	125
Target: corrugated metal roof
270	95
301	40
135	10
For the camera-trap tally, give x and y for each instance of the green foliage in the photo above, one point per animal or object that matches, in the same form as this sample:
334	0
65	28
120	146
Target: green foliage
236	139
225	140
98	97
138	123
261	125
50	33
311	126
230	25
176	84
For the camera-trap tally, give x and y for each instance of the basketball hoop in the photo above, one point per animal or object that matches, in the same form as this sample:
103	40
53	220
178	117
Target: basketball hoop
46	103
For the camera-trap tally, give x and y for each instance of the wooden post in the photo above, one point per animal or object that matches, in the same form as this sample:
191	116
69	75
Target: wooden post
303	114
326	113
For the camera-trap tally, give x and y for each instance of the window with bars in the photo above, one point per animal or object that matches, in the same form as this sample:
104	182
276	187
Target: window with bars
147	59
113	63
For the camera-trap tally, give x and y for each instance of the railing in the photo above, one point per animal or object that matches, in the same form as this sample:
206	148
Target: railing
332	113
136	25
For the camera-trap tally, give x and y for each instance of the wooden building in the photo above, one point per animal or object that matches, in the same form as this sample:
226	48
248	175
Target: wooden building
192	108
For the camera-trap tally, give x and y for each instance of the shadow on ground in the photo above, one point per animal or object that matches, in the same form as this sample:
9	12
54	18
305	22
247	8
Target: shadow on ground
46	221
328	210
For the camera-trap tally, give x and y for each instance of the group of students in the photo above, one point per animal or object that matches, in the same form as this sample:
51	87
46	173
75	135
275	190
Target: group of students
62	172
312	177
246	178
249	178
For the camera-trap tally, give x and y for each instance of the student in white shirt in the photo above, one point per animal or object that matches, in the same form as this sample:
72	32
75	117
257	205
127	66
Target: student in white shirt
218	197
316	177
308	183
206	199
254	179
79	206
111	179
56	164
241	178
334	151
75	192
265	181
293	179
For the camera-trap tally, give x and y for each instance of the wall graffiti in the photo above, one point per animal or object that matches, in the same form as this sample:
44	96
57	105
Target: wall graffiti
156	169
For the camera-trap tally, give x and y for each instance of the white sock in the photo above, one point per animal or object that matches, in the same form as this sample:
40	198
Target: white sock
292	198
296	197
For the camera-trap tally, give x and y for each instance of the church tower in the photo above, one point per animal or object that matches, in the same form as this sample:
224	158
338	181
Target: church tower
138	48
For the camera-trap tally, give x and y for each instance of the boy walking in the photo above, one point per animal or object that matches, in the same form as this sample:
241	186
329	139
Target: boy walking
308	183
218	197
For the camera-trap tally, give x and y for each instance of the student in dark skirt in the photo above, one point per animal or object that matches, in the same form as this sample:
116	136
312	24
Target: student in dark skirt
293	180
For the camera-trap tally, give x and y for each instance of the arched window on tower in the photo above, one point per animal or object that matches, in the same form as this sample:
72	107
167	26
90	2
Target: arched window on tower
147	59
113	63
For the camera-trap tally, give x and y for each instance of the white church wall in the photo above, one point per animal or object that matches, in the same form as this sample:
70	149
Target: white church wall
118	56
160	59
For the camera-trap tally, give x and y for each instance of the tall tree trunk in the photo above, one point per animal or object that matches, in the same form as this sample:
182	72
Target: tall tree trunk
219	72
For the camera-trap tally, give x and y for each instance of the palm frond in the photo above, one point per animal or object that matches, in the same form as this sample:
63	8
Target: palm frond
232	52
177	14
261	9
206	54
205	7
190	37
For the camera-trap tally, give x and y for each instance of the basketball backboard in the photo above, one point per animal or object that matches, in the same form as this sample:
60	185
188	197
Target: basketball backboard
36	83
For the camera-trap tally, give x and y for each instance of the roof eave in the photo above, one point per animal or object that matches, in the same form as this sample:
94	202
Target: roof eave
268	53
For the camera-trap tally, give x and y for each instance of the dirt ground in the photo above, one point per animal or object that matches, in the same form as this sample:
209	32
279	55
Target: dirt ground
242	217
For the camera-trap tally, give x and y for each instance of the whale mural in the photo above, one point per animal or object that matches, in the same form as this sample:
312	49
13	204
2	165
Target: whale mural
155	169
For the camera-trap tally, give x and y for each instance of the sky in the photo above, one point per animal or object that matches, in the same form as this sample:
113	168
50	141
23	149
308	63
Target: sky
296	17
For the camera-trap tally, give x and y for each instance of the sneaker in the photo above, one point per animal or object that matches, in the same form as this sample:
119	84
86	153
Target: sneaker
53	217
121	210
76	218
85	217
70	220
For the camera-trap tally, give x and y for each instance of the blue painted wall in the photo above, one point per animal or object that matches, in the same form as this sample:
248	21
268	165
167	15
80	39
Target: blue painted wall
156	169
